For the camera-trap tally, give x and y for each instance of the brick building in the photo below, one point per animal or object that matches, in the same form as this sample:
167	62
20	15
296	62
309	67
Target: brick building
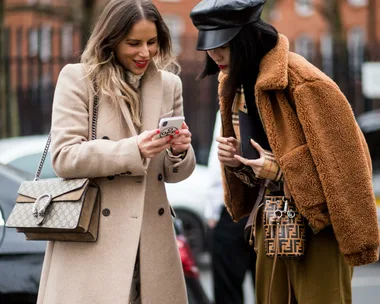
51	39
43	35
309	34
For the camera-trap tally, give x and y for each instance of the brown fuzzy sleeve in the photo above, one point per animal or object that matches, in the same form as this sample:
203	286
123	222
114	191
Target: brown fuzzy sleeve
341	158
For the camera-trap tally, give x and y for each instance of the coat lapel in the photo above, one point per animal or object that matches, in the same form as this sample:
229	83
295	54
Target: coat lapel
127	116
273	73
151	98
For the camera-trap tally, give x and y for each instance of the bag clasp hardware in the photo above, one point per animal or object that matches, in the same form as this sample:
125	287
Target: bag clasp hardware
289	212
40	213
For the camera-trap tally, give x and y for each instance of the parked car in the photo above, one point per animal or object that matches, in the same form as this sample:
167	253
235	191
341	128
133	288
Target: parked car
21	260
186	197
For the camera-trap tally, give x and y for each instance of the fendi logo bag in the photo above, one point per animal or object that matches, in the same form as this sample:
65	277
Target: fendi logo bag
57	209
284	228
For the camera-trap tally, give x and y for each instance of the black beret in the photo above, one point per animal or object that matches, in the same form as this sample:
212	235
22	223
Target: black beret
219	21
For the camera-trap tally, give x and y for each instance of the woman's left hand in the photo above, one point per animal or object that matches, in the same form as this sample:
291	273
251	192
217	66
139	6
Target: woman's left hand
256	164
181	140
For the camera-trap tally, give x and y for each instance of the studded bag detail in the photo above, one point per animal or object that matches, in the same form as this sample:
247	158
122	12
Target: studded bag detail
284	228
58	209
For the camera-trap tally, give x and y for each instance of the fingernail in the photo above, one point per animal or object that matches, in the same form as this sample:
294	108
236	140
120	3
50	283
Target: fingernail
158	132
177	132
171	136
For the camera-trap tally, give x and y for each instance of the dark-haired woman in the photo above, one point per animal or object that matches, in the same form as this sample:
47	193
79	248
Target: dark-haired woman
312	144
135	258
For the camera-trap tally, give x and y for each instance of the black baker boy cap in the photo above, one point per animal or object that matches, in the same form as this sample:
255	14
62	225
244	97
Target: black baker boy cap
219	21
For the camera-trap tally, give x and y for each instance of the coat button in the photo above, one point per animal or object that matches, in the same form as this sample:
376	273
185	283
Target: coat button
159	177
161	211
105	137
106	212
111	177
128	172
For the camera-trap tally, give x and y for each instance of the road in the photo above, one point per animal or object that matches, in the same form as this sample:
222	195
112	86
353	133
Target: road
365	284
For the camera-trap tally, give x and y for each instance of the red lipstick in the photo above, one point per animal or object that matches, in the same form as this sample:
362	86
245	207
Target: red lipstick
222	67
141	63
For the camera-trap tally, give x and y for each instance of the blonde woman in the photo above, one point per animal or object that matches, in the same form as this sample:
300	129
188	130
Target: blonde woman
135	259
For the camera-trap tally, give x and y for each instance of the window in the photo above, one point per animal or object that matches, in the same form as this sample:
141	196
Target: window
304	7
39	1
45	43
40	42
67	40
176	27
33	42
327	54
356	43
305	47
358	3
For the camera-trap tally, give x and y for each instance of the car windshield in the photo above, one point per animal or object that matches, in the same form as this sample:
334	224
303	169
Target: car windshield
29	164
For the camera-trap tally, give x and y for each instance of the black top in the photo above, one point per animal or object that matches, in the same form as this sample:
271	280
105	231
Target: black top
251	126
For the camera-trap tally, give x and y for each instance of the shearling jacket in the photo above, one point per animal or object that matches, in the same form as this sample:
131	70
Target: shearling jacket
320	148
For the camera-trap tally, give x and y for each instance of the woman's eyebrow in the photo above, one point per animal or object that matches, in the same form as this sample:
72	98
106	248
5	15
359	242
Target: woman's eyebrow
137	40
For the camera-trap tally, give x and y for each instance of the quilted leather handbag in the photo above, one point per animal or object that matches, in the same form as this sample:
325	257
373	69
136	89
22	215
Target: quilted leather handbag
58	209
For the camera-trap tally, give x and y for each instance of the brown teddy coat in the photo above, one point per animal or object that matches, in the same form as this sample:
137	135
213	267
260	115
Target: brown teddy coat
320	148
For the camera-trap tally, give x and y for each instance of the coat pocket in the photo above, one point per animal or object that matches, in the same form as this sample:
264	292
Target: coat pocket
302	178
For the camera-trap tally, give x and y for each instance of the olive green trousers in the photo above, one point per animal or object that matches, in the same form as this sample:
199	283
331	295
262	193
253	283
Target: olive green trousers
320	277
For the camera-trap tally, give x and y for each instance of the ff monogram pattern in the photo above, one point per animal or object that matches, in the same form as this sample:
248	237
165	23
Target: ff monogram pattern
59	215
291	238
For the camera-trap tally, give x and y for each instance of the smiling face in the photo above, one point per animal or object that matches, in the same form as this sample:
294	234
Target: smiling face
221	56
139	47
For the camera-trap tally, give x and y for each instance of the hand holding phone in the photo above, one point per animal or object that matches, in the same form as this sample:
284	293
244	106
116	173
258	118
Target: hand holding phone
168	126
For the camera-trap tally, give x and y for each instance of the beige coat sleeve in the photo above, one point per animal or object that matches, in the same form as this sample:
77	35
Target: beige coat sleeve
336	145
73	154
177	169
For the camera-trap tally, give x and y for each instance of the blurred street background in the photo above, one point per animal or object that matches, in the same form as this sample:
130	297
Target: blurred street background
365	284
341	37
38	37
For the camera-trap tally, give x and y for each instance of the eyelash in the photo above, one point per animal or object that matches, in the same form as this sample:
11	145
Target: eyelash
136	44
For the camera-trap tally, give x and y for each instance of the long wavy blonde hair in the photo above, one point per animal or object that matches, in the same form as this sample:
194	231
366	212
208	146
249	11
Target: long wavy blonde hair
113	26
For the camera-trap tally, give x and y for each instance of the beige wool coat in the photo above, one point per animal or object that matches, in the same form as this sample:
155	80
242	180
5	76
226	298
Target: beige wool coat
320	148
135	213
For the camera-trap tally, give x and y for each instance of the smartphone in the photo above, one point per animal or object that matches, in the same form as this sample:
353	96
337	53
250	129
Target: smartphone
169	125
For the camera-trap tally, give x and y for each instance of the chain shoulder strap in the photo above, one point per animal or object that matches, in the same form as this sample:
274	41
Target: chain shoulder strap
93	133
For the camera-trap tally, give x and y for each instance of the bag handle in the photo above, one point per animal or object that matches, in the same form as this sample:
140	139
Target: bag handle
93	134
286	190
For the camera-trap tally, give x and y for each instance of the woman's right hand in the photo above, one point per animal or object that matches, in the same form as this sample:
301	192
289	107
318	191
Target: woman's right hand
227	148
150	147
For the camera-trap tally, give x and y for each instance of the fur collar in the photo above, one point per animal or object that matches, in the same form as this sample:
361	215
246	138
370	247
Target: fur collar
273	73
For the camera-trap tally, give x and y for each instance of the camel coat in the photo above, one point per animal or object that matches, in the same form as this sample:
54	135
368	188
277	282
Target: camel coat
135	212
320	148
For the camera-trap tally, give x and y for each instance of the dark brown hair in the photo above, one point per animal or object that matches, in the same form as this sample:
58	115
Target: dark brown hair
247	49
